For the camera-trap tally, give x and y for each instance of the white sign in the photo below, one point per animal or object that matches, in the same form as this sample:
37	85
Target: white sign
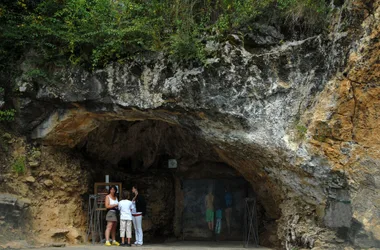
172	163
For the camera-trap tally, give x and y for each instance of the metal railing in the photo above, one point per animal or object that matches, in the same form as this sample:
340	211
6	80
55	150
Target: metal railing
95	220
251	229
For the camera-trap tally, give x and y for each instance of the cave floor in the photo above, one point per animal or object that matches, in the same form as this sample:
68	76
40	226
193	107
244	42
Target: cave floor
182	245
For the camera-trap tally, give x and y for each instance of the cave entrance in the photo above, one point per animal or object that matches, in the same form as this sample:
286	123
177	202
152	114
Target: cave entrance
177	173
226	210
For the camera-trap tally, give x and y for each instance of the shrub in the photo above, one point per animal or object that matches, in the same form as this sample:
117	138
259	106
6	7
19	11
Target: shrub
91	33
7	115
307	14
19	165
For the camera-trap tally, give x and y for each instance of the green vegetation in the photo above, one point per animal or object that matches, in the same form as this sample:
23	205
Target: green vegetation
301	131
306	13
7	114
18	165
92	33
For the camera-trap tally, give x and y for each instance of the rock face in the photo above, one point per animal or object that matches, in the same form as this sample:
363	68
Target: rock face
14	205
13	212
299	121
45	199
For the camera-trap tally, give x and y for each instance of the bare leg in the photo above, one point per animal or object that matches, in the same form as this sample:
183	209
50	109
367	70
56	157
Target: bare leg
122	240
113	230
108	230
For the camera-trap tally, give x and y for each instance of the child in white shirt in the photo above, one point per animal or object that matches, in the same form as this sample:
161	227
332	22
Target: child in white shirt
125	207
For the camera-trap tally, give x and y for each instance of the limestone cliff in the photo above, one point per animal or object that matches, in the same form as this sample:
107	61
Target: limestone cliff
298	120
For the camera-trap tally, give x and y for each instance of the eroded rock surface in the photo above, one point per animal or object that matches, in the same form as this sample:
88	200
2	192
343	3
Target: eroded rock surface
298	120
45	198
